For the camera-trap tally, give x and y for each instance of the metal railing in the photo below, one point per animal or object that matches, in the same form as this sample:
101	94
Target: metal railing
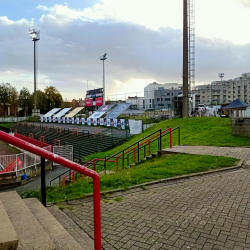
21	161
74	166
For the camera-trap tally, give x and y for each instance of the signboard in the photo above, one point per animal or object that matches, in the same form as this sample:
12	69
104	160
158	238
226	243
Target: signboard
117	110
135	126
101	121
99	101
88	103
94	91
122	123
101	111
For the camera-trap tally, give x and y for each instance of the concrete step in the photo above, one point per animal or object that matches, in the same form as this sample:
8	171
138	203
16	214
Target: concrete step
30	233
8	236
10	185
58	234
72	228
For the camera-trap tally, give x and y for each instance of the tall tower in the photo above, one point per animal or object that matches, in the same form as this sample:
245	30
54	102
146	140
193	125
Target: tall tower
191	44
188	53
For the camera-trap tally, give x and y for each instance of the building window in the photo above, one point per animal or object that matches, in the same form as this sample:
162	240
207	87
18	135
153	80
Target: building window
179	93
203	96
161	99
229	92
149	100
172	93
167	99
229	96
203	92
158	99
168	93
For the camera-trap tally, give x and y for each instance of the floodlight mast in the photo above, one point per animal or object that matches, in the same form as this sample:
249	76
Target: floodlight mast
34	36
103	58
221	75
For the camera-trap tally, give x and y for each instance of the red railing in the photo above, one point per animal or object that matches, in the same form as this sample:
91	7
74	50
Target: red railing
64	162
10	166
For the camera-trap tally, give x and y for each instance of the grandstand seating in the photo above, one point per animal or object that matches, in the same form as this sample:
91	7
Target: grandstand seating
83	144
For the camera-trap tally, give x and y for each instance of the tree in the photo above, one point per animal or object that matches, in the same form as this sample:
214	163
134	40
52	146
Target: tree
41	99
13	97
54	98
74	104
25	100
66	103
4	96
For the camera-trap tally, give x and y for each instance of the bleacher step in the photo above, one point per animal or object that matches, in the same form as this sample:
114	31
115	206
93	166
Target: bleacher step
8	236
60	237
30	233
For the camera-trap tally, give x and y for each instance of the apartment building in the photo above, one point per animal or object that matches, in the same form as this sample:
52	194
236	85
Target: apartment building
225	91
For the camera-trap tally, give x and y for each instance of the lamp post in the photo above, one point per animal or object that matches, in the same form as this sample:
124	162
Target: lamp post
103	58
34	36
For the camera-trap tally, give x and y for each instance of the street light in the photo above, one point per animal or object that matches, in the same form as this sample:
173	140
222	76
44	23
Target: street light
103	58
34	36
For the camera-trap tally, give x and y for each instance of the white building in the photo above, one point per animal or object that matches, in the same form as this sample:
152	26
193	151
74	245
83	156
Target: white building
225	91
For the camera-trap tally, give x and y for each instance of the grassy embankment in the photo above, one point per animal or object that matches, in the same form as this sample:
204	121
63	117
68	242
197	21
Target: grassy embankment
194	131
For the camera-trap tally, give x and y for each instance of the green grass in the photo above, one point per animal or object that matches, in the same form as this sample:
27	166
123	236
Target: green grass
209	131
7	125
158	168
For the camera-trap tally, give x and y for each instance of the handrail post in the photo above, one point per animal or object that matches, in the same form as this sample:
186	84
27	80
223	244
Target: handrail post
138	157
170	138
160	140
149	147
134	155
105	163
97	212
43	181
116	163
179	135
123	158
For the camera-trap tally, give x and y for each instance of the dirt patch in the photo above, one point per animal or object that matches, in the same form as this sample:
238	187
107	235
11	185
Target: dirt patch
5	149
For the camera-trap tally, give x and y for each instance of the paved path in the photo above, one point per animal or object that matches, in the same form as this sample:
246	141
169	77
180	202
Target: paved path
210	212
240	153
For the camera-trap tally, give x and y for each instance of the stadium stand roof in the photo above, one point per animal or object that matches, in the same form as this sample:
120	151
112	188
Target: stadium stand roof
74	112
51	112
62	112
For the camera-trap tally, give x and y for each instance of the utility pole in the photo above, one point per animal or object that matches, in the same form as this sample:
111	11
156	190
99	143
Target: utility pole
185	61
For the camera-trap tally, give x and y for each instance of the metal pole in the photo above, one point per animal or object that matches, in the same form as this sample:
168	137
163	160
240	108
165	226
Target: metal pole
185	60
43	182
35	104
103	84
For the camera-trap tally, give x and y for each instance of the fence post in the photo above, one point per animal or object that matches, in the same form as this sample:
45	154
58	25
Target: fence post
105	163
43	182
16	165
138	157
179	135
134	155
123	158
170	138
160	140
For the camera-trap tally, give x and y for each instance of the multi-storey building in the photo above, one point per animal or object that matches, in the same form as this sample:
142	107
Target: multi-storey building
225	91
159	96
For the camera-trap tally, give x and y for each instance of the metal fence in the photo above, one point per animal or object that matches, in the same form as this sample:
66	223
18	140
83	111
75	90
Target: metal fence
18	162
13	119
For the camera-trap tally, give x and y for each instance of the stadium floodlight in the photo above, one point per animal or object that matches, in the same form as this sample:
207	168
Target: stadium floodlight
103	58
34	36
221	75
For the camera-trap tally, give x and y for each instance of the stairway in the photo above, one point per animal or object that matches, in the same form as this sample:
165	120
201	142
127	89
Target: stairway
28	225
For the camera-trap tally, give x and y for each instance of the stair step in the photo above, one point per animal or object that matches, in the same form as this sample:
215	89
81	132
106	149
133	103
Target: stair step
30	233
61	238
72	228
8	236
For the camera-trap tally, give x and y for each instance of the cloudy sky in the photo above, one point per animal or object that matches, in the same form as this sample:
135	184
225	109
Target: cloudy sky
142	39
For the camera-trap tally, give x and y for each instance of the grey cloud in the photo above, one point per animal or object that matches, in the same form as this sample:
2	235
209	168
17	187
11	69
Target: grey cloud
70	54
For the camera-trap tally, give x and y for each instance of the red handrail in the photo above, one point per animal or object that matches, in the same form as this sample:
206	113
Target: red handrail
67	163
